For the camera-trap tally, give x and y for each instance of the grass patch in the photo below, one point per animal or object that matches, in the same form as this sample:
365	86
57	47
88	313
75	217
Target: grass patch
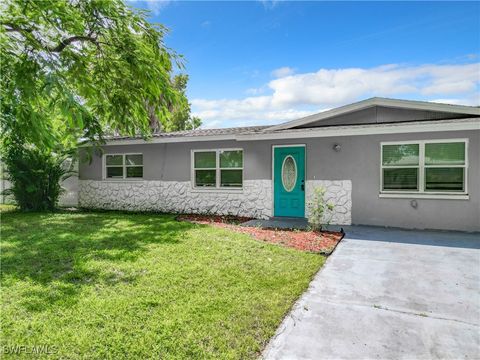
7	208
113	285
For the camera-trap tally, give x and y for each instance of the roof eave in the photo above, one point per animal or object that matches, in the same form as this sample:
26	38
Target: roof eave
377	101
330	131
370	129
164	140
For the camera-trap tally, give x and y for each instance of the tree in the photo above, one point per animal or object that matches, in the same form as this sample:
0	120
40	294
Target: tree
181	117
75	69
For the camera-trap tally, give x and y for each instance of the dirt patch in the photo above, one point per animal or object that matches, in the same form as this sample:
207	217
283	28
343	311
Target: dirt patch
323	242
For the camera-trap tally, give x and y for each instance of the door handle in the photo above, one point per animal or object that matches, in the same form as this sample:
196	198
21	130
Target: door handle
303	185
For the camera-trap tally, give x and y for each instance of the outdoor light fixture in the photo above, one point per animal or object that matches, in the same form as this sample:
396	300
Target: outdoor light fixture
337	147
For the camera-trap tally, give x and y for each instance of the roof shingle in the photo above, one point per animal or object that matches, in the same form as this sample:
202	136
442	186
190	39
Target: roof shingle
199	132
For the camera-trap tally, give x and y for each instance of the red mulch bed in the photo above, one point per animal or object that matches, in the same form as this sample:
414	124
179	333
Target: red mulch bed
323	242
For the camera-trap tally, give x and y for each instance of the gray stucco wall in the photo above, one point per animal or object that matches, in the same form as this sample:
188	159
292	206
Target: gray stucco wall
358	161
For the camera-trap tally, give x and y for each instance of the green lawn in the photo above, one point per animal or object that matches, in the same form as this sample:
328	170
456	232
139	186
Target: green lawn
118	286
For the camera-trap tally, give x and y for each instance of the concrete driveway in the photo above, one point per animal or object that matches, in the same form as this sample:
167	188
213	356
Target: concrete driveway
389	294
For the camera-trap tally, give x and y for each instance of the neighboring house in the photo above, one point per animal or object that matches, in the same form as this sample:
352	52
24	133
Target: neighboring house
383	162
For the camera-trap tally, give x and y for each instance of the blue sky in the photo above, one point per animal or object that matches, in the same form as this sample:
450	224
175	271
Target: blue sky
264	62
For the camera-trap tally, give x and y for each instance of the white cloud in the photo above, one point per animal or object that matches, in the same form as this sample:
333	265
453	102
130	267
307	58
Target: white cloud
269	4
473	101
212	124
294	96
206	24
282	72
155	6
336	86
256	91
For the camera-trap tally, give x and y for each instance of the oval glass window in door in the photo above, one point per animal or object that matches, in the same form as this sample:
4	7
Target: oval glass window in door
289	173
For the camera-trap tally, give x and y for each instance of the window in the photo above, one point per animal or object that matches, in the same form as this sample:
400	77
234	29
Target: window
206	169
218	168
400	167
123	166
445	166
437	166
231	168
289	173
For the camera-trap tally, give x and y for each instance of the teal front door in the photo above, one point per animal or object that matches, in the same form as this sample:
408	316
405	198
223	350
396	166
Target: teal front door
289	181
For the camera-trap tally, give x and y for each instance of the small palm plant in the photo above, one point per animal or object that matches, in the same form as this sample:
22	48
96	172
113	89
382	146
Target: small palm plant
320	212
36	176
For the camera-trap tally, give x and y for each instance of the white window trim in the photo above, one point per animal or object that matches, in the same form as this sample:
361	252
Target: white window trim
124	166
421	193
217	171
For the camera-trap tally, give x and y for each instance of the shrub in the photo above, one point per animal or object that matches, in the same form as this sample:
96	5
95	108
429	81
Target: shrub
35	177
320	212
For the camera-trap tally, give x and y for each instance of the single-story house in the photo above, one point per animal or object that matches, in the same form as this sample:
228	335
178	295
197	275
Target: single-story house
382	161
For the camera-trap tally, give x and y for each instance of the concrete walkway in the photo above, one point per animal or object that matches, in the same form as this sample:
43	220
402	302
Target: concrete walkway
389	294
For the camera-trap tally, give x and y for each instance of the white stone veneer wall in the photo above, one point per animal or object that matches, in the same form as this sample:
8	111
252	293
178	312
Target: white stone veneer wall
339	192
254	200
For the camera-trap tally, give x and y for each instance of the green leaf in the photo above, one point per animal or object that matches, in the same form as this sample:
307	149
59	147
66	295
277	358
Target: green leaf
82	77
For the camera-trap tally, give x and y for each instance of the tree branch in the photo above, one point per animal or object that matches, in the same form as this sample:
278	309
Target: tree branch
15	28
9	27
65	42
